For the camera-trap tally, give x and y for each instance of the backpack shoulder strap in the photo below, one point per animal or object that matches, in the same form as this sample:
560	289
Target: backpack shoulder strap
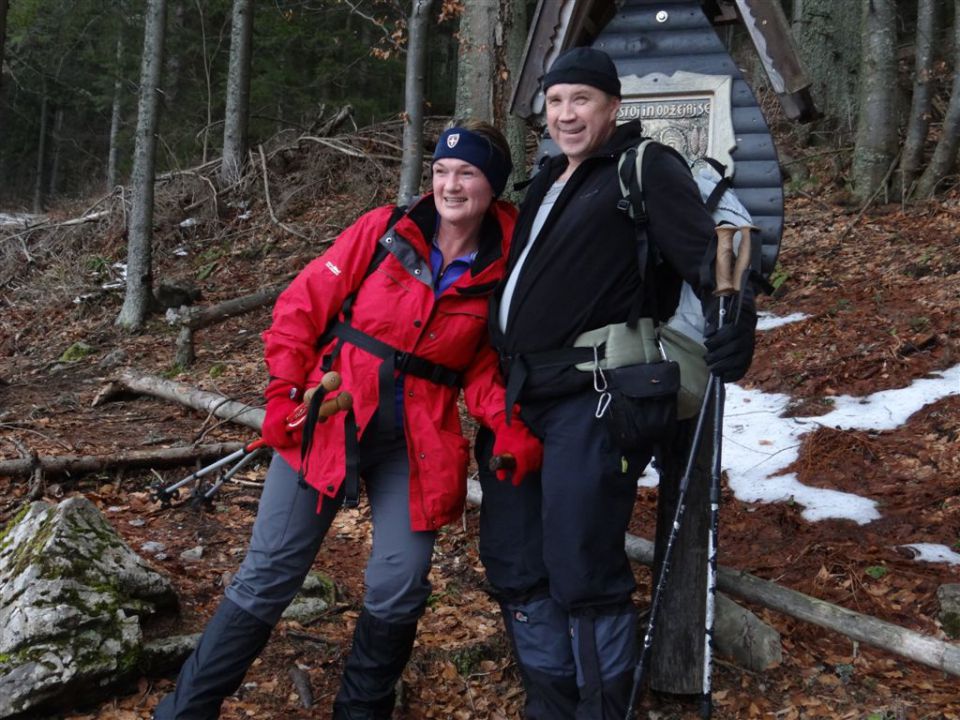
379	255
633	203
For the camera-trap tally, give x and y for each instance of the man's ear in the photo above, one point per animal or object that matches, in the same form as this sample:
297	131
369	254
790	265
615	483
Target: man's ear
614	107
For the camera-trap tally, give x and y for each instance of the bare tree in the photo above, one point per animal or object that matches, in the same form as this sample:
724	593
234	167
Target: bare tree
138	297
476	60
929	14
829	45
945	154
114	148
514	21
4	6
237	114
411	164
38	196
876	143
56	143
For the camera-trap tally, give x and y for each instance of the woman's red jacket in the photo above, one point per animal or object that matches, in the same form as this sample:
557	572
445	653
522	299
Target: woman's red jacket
397	305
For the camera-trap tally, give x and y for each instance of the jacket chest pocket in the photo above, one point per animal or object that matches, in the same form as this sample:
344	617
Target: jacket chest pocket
456	334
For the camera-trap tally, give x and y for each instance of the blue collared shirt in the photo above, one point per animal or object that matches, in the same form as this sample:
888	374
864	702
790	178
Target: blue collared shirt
441	281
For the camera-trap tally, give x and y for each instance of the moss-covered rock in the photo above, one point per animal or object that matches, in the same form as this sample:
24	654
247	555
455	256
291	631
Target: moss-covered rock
72	595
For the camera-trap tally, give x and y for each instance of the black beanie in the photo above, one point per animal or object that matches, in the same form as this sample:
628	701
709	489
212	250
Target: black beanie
584	66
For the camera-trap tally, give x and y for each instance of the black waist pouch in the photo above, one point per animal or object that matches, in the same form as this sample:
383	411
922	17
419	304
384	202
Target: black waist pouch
643	403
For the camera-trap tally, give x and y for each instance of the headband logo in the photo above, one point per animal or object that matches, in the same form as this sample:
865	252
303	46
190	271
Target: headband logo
452	140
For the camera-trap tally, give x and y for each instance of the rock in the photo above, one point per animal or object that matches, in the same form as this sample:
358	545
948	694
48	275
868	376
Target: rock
163	654
152	547
77	351
174	294
741	635
949	597
113	359
193	554
72	596
315	597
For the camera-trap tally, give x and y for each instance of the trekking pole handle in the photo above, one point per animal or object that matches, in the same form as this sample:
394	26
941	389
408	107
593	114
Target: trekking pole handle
503	462
744	253
330	406
731	265
725	260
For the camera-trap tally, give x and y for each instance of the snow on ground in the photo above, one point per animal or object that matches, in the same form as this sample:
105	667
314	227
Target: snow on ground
928	552
769	321
758	443
22	219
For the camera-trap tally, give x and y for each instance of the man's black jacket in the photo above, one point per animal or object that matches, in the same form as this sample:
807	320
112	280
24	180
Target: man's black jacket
582	272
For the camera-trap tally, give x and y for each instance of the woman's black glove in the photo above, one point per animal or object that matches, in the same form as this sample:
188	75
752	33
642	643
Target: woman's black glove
730	349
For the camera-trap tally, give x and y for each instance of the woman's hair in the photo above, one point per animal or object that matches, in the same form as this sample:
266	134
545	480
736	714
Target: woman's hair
484	129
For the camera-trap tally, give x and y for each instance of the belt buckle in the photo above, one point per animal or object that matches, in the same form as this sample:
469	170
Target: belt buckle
400	360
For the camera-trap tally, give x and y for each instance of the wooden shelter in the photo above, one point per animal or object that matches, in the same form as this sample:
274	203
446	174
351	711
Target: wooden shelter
681	82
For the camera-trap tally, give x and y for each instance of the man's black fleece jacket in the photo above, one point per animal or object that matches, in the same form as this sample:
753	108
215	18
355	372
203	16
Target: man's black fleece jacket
582	272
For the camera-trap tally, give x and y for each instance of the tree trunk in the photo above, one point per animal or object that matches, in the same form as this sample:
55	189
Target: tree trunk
41	151
4	5
514	20
137	299
173	72
477	60
828	39
929	15
114	149
237	111
411	165
57	143
945	154
876	142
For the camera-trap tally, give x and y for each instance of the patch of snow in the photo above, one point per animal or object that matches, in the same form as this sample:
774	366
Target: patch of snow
21	219
929	552
188	223
759	443
180	252
769	321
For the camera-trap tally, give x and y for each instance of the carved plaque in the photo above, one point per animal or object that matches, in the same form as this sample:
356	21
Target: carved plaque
689	112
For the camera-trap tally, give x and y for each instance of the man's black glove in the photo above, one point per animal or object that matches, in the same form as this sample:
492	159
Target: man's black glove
730	349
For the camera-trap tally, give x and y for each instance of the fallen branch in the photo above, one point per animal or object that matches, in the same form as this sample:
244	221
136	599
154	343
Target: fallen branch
78	464
215	404
191	318
301	683
880	634
266	194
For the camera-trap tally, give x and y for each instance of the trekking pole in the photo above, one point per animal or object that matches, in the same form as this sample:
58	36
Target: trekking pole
725	285
729	284
243	456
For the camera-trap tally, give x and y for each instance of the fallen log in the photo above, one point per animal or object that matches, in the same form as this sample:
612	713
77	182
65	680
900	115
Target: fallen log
177	392
869	630
77	464
191	318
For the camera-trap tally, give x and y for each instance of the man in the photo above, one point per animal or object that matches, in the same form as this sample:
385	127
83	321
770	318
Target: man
553	546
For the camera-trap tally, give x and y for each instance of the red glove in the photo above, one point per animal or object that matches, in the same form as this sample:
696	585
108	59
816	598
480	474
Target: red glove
282	400
516	440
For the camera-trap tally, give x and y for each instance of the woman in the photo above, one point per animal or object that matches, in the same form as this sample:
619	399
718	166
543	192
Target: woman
406	328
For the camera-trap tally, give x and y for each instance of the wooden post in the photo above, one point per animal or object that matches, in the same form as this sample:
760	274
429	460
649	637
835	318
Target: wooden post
676	664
